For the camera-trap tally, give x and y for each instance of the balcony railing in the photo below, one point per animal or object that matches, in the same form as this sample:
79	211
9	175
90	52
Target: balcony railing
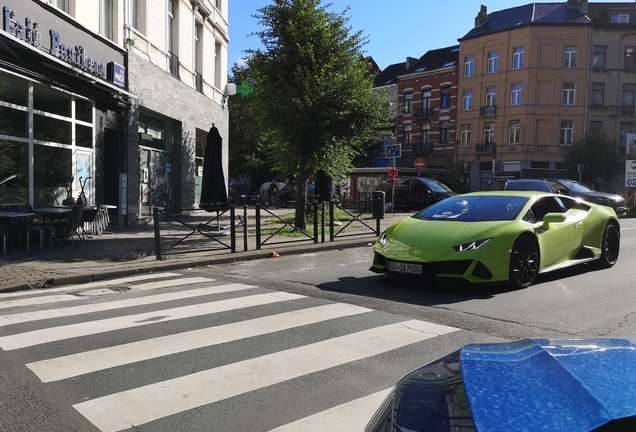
486	149
174	65
198	82
488	111
627	109
424	113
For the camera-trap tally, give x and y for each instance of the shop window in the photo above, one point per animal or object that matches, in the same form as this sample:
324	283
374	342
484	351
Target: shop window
51	101
51	130
52	168
13	90
14	122
155	132
84	110
14	161
83	136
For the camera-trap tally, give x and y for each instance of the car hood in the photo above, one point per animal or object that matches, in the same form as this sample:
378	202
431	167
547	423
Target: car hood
550	384
599	197
428	234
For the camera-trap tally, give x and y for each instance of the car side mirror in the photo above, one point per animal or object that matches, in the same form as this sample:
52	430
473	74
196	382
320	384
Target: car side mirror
553	218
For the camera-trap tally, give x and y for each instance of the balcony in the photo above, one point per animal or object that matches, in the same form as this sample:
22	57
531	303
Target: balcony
424	113
627	109
198	82
486	149
174	65
488	111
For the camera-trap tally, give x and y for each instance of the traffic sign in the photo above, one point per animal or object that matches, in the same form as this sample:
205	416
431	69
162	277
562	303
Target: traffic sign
394	151
393	172
580	168
419	164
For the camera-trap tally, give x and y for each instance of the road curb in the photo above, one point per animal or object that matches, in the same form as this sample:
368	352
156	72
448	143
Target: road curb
186	261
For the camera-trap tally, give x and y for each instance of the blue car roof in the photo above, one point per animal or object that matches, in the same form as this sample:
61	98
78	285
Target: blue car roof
550	384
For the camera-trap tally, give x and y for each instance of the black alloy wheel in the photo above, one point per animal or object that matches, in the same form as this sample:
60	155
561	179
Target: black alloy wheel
524	262
610	245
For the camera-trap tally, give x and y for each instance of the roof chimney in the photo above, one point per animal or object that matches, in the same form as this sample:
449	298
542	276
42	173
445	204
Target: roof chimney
410	61
578	4
481	16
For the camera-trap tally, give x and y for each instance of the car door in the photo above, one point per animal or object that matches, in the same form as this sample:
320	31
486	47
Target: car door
419	195
557	240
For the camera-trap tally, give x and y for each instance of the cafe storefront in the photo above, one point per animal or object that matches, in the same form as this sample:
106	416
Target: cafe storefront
63	109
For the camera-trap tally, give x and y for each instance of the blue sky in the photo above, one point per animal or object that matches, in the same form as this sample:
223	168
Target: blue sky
392	27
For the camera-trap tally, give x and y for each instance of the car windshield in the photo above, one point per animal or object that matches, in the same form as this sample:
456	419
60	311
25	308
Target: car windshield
474	208
528	186
436	186
576	187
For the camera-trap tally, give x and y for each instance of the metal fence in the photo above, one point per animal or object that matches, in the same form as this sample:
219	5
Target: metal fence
220	228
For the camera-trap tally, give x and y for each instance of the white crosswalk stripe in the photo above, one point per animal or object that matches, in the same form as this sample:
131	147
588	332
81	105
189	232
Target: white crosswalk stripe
245	314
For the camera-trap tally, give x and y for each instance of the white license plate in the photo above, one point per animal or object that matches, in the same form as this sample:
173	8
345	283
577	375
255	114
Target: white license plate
405	268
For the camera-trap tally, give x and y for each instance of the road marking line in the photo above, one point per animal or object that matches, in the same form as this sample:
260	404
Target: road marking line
173	282
68	288
351	416
118	304
144	404
37	301
52	334
101	359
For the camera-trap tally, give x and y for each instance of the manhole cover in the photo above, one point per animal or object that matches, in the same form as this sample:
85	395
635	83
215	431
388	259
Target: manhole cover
101	291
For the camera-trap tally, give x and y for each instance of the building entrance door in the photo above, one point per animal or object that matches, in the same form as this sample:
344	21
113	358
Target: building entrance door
155	180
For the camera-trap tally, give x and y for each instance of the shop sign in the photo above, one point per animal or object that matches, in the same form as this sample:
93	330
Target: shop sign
29	33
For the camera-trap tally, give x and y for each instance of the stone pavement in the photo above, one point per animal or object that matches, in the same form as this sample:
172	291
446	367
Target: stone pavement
124	251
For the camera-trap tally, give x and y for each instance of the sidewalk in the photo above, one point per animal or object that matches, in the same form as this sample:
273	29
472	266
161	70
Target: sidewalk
129	250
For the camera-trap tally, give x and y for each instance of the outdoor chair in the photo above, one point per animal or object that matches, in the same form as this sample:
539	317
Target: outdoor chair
90	217
27	225
75	223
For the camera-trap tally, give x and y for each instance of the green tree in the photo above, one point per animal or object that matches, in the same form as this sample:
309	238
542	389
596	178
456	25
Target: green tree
245	156
313	91
598	154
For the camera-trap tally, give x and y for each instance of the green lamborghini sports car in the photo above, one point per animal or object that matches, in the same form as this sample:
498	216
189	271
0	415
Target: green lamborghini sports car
499	236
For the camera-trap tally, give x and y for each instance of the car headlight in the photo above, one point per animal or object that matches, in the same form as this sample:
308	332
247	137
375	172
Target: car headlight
383	239
471	245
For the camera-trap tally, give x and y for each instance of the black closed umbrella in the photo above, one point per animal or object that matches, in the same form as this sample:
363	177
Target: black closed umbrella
322	188
213	192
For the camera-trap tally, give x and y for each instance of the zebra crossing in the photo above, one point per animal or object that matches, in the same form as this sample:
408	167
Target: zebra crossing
168	352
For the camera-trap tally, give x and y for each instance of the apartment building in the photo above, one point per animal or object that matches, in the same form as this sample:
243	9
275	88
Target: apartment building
526	69
123	92
427	98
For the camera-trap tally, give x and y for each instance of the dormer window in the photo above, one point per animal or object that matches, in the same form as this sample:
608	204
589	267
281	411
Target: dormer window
619	18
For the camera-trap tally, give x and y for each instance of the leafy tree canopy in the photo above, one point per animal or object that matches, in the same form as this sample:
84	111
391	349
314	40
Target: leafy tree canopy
598	154
313	89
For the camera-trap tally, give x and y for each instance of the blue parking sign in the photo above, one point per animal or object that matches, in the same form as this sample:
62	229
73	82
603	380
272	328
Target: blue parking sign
580	168
393	151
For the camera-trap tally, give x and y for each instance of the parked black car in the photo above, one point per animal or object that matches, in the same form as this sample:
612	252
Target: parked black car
570	188
579	190
414	193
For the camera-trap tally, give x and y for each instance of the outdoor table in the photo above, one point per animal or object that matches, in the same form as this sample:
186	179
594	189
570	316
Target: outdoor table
55	216
12	214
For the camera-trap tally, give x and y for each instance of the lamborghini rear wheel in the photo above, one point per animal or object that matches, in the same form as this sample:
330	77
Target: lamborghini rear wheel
524	262
610	245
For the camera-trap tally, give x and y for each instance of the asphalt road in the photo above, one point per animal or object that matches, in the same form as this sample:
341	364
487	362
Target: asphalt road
279	344
580	301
